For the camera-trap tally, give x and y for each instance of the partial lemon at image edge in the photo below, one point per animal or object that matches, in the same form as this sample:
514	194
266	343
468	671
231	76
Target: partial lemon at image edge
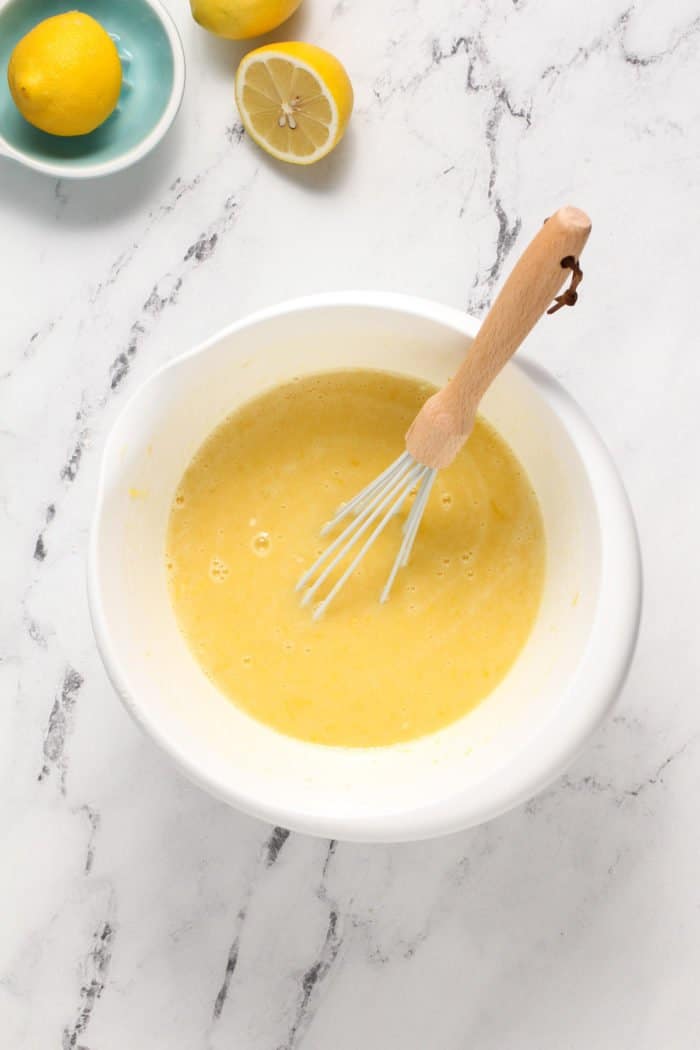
241	19
295	100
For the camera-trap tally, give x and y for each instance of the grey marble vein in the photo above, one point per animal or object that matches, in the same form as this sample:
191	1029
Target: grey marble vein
178	191
69	471
316	974
231	963
93	819
60	726
35	633
508	226
479	78
95	971
311	983
235	132
274	846
616	37
36	338
167	289
163	294
620	794
40	545
268	857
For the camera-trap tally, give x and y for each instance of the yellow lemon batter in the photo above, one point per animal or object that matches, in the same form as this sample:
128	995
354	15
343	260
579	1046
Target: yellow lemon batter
245	523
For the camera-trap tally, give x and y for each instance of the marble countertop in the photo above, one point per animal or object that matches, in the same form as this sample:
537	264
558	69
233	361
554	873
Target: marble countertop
138	912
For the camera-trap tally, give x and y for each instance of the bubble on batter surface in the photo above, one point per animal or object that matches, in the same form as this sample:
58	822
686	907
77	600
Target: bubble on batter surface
261	544
218	570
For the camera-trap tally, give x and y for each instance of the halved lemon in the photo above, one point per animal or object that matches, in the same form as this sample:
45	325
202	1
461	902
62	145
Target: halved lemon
295	100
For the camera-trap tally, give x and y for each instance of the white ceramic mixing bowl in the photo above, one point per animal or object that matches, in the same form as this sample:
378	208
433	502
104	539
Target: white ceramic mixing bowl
516	741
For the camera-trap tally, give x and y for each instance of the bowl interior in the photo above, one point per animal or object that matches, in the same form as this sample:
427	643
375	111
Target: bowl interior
148	67
435	784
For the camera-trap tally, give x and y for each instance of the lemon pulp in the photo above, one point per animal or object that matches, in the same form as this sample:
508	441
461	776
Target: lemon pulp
245	523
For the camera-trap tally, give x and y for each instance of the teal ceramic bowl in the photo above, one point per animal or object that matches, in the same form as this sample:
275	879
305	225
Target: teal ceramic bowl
153	64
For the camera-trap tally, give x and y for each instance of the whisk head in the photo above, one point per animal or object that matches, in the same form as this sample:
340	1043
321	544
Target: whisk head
371	510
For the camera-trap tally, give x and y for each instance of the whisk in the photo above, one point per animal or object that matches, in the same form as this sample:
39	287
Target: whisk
446	419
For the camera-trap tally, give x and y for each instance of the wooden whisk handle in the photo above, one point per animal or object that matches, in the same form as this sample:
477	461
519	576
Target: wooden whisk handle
446	419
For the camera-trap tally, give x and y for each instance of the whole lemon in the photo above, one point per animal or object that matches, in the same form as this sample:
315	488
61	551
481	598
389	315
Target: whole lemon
65	75
239	19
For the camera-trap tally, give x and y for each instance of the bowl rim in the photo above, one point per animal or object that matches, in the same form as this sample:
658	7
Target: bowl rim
589	695
147	143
